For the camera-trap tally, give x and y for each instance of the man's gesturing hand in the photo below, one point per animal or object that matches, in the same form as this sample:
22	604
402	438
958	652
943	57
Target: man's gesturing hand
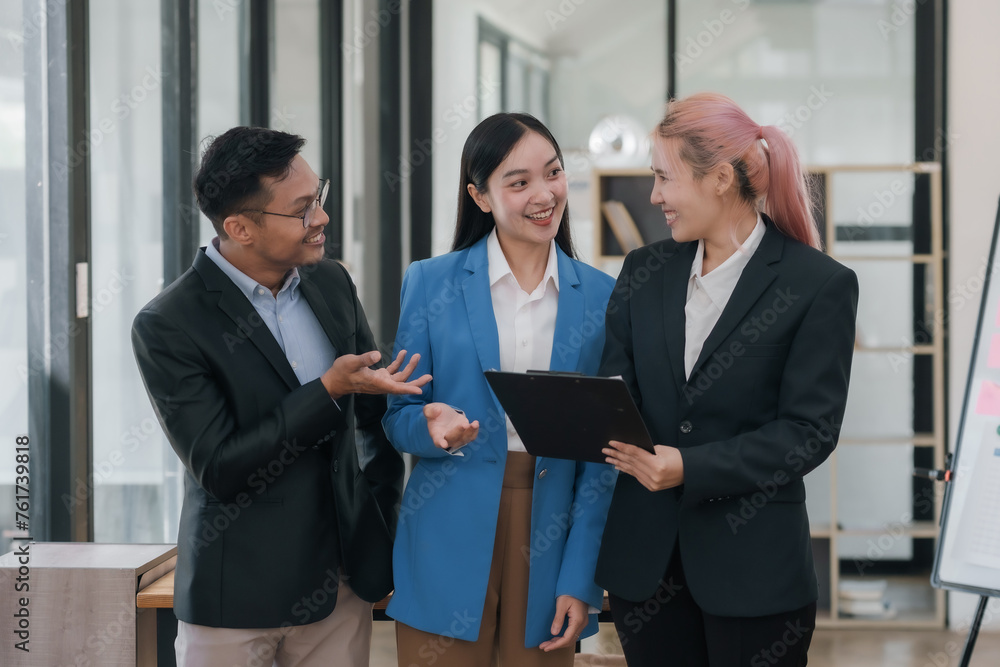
350	374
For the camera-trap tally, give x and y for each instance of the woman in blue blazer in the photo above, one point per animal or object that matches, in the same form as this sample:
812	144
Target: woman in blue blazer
495	551
736	338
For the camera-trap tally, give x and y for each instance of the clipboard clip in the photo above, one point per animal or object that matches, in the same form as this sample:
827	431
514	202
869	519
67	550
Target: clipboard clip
556	373
945	475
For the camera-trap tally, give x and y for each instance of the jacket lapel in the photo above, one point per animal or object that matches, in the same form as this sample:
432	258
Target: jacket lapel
754	280
676	274
335	328
235	305
569	317
479	304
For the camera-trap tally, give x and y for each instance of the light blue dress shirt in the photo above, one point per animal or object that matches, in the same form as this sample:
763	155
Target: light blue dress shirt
288	317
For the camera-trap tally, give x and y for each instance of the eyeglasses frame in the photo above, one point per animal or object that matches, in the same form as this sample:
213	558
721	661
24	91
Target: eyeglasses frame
317	203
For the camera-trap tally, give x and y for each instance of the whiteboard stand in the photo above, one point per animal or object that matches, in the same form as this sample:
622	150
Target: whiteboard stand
970	641
968	550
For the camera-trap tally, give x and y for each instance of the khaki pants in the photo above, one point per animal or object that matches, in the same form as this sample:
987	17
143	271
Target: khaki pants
501	636
343	638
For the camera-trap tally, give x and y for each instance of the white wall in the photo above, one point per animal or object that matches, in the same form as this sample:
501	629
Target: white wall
974	186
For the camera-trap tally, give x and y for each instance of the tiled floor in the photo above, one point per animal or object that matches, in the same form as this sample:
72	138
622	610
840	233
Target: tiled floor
840	648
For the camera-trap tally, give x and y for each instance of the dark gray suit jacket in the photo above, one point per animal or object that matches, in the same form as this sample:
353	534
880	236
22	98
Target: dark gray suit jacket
275	500
763	406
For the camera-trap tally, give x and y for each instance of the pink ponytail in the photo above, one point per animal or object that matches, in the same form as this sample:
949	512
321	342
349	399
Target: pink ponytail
712	130
787	199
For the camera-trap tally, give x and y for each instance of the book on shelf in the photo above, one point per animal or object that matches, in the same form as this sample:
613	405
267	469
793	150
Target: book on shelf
622	225
873	609
862	589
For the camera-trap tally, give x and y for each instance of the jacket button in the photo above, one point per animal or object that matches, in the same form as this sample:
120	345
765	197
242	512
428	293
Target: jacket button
543	473
336	465
686	426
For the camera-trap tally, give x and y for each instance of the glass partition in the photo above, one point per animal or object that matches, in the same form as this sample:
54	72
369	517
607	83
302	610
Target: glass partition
14	364
126	88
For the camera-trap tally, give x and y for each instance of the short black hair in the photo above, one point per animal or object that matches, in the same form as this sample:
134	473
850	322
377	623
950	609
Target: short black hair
232	166
488	145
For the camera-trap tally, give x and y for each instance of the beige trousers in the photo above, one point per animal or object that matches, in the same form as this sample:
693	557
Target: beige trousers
343	639
501	636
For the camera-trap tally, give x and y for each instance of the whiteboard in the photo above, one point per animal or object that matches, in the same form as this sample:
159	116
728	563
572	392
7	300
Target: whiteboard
968	555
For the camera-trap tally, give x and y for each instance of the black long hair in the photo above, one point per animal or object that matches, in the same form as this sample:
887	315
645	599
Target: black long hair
487	146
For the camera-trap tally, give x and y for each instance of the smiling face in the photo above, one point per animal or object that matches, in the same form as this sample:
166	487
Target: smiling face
526	194
277	244
693	208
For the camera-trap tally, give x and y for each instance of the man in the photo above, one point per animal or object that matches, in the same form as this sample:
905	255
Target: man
257	363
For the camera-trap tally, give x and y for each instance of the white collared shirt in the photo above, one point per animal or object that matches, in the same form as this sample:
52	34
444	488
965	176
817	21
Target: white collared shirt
707	295
526	323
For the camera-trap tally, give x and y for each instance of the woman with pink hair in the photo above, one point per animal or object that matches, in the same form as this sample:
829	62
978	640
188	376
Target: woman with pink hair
735	337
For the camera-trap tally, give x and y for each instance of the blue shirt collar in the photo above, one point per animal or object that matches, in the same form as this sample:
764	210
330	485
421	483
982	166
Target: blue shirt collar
245	283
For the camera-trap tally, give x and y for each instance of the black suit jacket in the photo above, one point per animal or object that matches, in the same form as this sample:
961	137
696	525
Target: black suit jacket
763	407
275	500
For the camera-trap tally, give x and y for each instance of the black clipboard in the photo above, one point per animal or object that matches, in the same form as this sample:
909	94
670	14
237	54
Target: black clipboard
569	415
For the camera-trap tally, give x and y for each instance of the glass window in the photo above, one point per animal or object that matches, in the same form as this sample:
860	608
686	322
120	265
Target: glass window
490	76
130	452
577	66
843	100
295	75
219	48
13	277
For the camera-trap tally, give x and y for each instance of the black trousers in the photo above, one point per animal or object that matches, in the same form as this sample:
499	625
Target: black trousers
670	630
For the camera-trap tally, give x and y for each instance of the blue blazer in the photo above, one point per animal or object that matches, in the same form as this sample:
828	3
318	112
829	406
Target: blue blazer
444	542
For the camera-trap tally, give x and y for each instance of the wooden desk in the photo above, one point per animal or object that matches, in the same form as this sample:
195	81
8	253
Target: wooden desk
82	603
160	595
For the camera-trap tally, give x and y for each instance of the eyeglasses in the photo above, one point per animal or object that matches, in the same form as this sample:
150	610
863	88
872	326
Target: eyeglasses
310	213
